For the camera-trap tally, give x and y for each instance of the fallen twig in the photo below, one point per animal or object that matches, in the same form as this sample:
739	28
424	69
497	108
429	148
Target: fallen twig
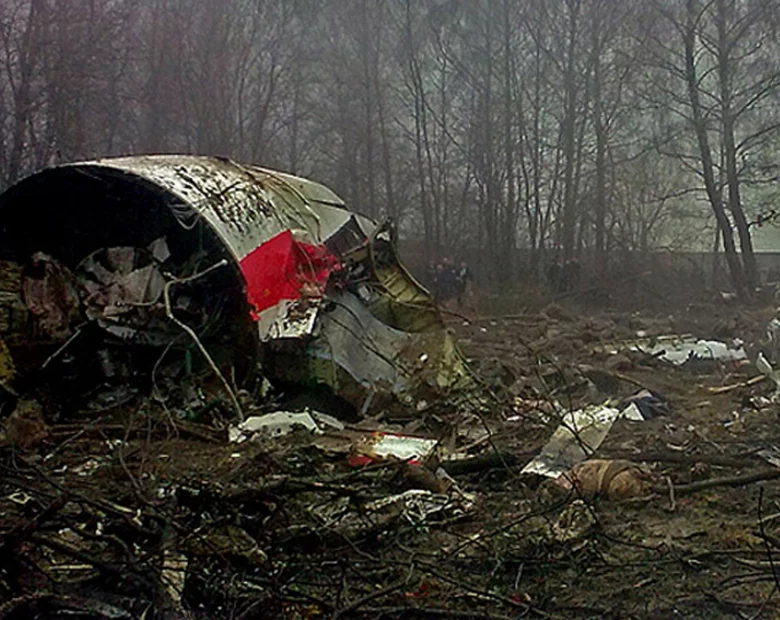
20	533
628	379
672	498
728	481
339	613
686	459
122	572
430	612
71	603
191	332
64	346
766	540
491	460
735	386
773	540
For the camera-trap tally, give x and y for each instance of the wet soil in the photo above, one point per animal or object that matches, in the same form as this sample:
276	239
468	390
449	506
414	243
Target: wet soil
263	528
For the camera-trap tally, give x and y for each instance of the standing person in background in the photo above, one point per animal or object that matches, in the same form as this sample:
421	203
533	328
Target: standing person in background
555	276
465	281
570	275
437	285
448	284
430	277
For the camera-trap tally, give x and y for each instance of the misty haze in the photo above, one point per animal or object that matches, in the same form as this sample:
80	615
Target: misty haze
389	309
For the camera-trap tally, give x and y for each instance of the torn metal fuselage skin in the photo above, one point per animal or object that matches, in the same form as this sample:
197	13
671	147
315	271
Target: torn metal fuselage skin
378	334
331	303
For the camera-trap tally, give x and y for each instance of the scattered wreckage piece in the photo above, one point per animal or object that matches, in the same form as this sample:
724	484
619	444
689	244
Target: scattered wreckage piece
361	447
579	435
683	351
296	288
767	370
415	506
644	405
378	446
280	423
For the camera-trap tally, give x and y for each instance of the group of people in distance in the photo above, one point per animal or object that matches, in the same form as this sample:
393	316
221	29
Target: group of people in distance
450	282
564	276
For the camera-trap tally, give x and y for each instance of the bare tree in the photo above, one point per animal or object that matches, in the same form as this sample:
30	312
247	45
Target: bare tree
720	53
513	128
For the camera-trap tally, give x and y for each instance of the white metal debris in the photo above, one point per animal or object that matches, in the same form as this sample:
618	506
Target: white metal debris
678	350
579	435
403	447
281	423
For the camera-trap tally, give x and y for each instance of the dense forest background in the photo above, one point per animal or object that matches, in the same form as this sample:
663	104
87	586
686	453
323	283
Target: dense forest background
566	128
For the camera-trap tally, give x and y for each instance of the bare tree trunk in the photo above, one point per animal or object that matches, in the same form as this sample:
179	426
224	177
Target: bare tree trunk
735	266
430	241
508	244
368	48
23	91
569	132
730	148
600	203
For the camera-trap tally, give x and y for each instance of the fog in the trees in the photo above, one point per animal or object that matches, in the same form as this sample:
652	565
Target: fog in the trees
523	127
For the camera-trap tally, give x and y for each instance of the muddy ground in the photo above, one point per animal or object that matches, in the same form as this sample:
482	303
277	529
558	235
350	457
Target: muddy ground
134	512
694	555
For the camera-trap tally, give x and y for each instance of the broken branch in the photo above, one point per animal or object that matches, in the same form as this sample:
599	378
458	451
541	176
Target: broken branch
728	481
735	386
191	332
